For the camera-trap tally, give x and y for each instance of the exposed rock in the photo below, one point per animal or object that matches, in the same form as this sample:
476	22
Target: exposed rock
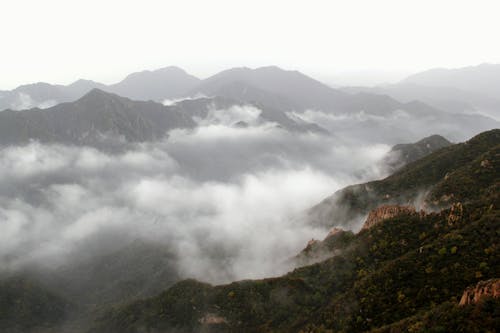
311	244
488	288
386	212
486	164
212	319
334	231
456	213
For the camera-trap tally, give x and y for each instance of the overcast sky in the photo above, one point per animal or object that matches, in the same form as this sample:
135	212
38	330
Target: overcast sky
59	41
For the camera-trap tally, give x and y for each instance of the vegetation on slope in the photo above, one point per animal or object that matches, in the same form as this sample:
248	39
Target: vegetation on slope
26	307
409	184
398	274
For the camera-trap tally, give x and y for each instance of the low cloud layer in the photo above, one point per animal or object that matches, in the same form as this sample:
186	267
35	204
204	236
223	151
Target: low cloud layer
399	126
225	199
24	101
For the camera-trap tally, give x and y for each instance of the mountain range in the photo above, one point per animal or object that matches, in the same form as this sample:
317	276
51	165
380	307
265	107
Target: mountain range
158	85
400	254
290	99
405	270
463	90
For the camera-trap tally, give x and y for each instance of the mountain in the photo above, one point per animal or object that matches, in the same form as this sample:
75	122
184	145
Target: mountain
362	114
100	118
448	99
289	98
136	270
402	154
95	117
484	78
423	177
200	108
471	89
297	89
157	85
406	270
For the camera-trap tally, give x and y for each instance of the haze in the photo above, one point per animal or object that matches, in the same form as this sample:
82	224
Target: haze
340	42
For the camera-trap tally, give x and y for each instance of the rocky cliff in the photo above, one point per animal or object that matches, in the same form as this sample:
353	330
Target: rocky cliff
488	288
385	212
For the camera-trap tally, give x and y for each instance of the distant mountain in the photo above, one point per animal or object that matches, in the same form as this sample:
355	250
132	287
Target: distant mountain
156	85
100	118
289	98
484	78
406	269
296	89
94	118
364	114
403	154
448	99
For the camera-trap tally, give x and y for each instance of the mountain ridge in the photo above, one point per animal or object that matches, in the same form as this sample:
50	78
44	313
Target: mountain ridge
402	267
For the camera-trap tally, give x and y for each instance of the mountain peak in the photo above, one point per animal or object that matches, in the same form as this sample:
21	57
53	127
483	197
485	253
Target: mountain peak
83	82
97	94
169	70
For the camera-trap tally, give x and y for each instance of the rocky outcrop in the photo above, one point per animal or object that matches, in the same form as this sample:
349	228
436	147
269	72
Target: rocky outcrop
385	212
311	244
212	319
456	213
488	288
334	231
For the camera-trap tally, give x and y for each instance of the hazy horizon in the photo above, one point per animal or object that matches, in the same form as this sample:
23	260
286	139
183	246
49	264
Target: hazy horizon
341	43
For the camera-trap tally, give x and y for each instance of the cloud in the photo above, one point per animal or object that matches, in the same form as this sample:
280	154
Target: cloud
232	115
168	102
225	199
24	101
399	126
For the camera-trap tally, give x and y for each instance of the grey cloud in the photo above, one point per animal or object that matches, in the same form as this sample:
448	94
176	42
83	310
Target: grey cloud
225	199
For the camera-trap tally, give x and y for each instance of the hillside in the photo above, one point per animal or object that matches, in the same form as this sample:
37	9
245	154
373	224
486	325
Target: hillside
402	270
27	306
404	153
409	184
97	116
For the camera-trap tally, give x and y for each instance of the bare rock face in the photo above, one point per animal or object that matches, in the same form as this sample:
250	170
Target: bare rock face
212	319
456	213
488	288
334	231
385	212
311	244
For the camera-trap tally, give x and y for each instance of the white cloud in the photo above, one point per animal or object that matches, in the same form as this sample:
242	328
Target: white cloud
225	199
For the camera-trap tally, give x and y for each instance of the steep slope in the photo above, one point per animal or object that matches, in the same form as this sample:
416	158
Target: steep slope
137	270
27	307
349	206
405	153
96	117
403	266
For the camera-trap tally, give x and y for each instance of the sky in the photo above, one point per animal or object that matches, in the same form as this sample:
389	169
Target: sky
339	42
